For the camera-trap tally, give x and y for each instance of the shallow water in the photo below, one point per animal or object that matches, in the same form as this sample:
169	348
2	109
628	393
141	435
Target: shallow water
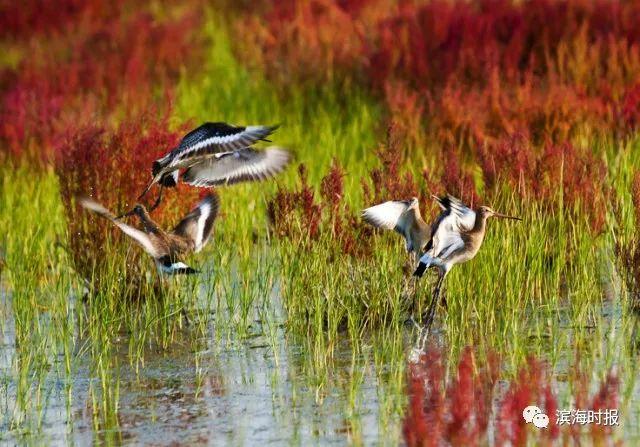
239	393
230	391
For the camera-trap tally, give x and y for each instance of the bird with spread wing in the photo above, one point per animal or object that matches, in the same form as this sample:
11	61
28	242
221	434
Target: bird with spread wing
218	154
454	237
167	248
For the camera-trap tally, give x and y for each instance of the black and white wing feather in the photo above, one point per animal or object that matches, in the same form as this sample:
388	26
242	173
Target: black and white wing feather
237	166
198	224
447	230
389	215
464	217
213	138
139	236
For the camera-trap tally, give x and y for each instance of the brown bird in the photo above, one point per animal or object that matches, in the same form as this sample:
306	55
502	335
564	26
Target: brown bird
167	247
404	217
457	235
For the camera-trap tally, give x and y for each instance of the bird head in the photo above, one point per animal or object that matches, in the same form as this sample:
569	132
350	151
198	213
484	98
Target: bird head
413	203
487	212
155	168
139	209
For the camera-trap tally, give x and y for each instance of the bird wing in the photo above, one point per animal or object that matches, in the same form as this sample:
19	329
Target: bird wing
198	224
389	215
465	217
139	236
237	166
212	138
446	238
446	231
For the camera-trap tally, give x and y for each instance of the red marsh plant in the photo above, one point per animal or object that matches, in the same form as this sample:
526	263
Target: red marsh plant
459	410
390	180
453	414
295	214
500	84
30	18
299	41
98	67
556	171
482	69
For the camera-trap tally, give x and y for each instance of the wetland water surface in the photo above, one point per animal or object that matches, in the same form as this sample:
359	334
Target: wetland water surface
227	391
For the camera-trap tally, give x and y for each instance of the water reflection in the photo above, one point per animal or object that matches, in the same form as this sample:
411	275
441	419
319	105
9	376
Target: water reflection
229	392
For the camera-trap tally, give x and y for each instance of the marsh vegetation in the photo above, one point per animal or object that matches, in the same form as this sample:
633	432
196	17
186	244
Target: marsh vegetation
294	331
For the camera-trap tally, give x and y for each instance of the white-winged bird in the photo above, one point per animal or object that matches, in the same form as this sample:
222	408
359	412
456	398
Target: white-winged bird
167	247
218	154
456	236
404	217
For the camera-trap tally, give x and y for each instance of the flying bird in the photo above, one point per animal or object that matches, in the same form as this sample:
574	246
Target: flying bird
404	217
218	154
167	248
456	236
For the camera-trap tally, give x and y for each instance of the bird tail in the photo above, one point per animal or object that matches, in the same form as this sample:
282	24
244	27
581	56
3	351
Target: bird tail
185	271
174	268
423	265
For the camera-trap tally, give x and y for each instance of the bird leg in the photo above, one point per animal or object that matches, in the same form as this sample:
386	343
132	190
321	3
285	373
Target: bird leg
157	202
443	299
434	301
409	290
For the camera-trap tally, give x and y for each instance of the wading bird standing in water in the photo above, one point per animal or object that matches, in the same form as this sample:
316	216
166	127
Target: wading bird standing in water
167	247
218	154
456	236
404	217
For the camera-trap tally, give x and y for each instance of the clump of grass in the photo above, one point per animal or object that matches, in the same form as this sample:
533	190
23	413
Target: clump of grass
628	251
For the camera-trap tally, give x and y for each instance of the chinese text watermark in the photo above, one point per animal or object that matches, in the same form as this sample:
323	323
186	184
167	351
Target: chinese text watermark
604	417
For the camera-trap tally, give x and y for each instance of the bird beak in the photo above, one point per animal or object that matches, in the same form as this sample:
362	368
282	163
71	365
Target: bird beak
504	216
127	214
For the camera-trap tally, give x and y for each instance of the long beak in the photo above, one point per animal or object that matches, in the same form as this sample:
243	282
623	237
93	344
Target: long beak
504	216
127	214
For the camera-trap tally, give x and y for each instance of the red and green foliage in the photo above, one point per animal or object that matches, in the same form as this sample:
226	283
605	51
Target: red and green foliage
503	85
481	69
628	252
111	166
459	410
93	98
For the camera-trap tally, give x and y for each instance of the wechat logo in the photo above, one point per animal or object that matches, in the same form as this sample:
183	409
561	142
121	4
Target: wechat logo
534	415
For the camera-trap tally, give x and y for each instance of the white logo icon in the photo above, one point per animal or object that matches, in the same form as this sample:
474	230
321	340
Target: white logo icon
529	413
541	420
